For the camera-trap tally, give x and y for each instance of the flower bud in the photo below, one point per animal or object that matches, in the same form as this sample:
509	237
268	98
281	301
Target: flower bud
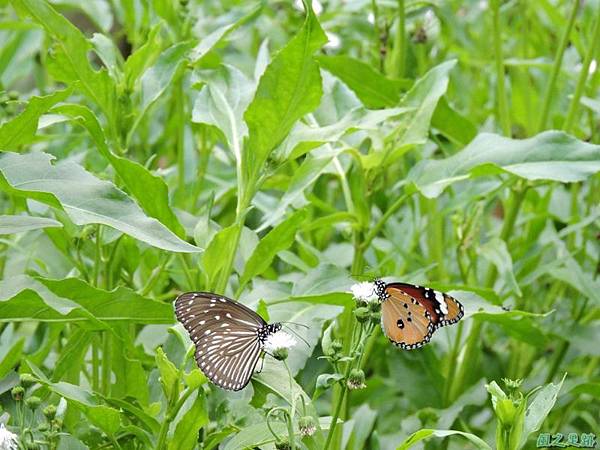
307	426
356	380
336	346
33	402
27	380
17	393
50	412
43	427
362	314
280	353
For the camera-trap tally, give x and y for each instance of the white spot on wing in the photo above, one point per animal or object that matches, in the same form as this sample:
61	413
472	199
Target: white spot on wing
439	297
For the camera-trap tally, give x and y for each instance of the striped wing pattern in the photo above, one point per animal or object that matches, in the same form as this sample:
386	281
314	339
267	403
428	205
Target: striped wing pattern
226	335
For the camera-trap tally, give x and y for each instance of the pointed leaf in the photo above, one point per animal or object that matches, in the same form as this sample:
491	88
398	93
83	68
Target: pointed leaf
551	155
85	198
289	89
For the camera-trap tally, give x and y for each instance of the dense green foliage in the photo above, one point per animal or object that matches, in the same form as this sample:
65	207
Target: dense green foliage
273	153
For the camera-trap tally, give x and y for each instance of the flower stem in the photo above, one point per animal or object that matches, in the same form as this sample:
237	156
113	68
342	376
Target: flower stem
338	408
548	93
293	407
583	74
502	103
398	61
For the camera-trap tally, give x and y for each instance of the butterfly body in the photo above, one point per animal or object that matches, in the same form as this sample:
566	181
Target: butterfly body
229	337
410	314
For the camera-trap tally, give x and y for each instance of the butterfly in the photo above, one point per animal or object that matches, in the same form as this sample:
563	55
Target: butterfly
410	314
229	337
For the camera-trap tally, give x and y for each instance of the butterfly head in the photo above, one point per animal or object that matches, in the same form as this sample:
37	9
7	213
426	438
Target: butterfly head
268	329
380	289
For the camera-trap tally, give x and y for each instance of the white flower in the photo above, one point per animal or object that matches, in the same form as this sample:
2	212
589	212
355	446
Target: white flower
8	440
364	292
279	341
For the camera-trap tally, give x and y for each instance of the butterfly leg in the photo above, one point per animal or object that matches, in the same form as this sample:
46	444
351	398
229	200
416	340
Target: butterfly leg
262	362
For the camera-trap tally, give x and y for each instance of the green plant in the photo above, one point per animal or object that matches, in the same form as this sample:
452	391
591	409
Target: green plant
272	153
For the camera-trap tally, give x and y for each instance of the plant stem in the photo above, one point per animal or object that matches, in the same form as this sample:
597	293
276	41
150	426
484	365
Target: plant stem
293	407
106	362
98	256
549	92
338	408
435	238
381	222
398	59
171	413
583	74
508	225
502	103
470	350
95	364
180	137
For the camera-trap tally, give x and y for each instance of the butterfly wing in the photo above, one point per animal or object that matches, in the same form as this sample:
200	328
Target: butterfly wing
405	322
225	334
444	309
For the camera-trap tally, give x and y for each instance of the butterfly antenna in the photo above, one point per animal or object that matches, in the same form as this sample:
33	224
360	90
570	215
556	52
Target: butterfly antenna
297	324
297	335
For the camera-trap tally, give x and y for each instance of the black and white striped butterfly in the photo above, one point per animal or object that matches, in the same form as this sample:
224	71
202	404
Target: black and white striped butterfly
229	337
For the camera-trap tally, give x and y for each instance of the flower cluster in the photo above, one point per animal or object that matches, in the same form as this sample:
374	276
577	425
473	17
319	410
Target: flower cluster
364	292
278	344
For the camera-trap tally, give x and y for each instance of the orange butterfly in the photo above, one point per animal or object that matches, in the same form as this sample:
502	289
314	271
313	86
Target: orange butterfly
410	314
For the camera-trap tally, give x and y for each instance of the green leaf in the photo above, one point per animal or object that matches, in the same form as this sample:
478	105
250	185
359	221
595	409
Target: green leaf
72	353
313	315
326	381
520	325
426	433
156	80
496	252
573	274
222	102
372	88
539	408
169	375
22	129
104	417
20	224
186	431
256	435
452	124
303	138
276	379
212	259
24	298
143	57
85	198
214	38
149	190
279	238
551	155
289	88
424	96
10	354
360	427
71	63
308	172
